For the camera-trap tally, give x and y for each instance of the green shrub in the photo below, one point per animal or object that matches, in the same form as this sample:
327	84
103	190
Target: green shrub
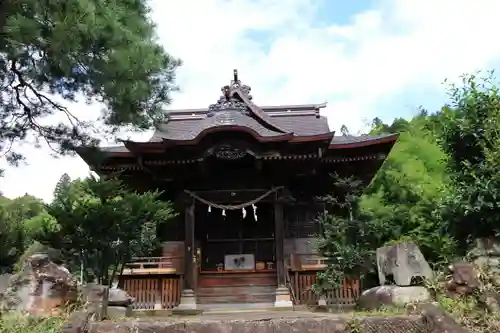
19	323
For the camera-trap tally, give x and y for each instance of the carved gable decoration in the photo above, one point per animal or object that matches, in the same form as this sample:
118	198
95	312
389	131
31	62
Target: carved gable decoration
230	100
236	101
229	152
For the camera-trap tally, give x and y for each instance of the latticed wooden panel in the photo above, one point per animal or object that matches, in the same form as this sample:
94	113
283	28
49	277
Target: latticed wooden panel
302	283
170	292
150	291
144	290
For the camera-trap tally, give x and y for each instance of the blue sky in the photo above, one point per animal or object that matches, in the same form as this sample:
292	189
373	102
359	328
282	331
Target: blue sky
340	11
365	58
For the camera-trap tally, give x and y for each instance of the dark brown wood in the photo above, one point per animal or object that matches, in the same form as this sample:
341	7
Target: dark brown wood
237	279
189	250
279	235
256	287
148	291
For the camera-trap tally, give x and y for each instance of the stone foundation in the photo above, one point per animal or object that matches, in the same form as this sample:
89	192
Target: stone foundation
431	320
316	324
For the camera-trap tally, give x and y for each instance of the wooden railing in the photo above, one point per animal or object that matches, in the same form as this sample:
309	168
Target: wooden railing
306	262
151	293
345	295
154	266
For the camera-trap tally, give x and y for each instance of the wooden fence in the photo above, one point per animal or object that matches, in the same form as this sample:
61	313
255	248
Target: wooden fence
149	291
302	283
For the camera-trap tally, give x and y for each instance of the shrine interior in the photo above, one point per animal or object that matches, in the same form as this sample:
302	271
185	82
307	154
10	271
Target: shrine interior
221	232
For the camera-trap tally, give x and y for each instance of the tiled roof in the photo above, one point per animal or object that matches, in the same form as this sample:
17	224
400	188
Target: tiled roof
189	127
349	140
235	110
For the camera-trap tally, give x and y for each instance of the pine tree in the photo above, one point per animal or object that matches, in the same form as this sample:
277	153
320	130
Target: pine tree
102	51
63	183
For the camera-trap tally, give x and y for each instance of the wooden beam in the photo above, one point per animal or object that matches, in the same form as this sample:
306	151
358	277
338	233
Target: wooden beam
279	235
189	254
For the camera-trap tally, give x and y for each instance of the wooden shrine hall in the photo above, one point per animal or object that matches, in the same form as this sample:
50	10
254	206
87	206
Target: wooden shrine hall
245	180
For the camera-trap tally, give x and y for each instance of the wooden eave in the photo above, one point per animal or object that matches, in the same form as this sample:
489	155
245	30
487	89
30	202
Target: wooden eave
391	139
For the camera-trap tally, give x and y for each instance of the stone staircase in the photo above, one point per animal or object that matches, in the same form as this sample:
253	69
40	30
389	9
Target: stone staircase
236	290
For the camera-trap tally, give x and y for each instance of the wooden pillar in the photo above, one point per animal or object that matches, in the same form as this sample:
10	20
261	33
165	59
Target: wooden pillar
279	241
189	246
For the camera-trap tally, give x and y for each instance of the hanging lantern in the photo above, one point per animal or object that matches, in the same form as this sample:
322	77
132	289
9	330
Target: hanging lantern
223	212
209	208
244	212
254	212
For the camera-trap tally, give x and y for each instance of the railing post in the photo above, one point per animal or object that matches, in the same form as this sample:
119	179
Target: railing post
159	295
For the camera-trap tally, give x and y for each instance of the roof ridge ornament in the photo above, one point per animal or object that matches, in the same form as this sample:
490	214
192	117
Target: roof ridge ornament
229	100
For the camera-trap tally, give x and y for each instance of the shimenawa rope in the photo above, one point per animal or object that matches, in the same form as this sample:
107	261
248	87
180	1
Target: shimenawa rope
233	207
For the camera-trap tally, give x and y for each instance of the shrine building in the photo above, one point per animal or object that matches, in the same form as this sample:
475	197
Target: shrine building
246	181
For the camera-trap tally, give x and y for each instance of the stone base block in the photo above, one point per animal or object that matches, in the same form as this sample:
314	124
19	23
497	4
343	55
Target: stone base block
283	299
187	305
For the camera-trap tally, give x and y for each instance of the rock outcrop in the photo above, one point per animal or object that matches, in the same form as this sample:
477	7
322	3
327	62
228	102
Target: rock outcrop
403	263
42	287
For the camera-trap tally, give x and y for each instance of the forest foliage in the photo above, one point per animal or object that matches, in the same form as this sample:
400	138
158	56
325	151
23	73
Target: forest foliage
96	225
439	187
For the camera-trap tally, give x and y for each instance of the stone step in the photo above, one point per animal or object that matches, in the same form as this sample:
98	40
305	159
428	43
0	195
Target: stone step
222	308
237	280
240	299
235	290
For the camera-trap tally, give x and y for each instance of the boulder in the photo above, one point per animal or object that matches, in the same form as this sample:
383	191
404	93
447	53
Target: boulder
93	293
117	312
393	296
42	287
463	278
403	262
119	297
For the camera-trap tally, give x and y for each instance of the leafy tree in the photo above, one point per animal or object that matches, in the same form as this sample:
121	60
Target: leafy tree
13	236
104	51
347	238
471	138
102	225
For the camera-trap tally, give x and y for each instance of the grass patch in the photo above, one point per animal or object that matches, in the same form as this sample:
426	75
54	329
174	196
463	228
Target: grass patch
470	313
19	323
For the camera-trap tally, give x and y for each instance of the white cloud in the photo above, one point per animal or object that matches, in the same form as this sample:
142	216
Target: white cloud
380	52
